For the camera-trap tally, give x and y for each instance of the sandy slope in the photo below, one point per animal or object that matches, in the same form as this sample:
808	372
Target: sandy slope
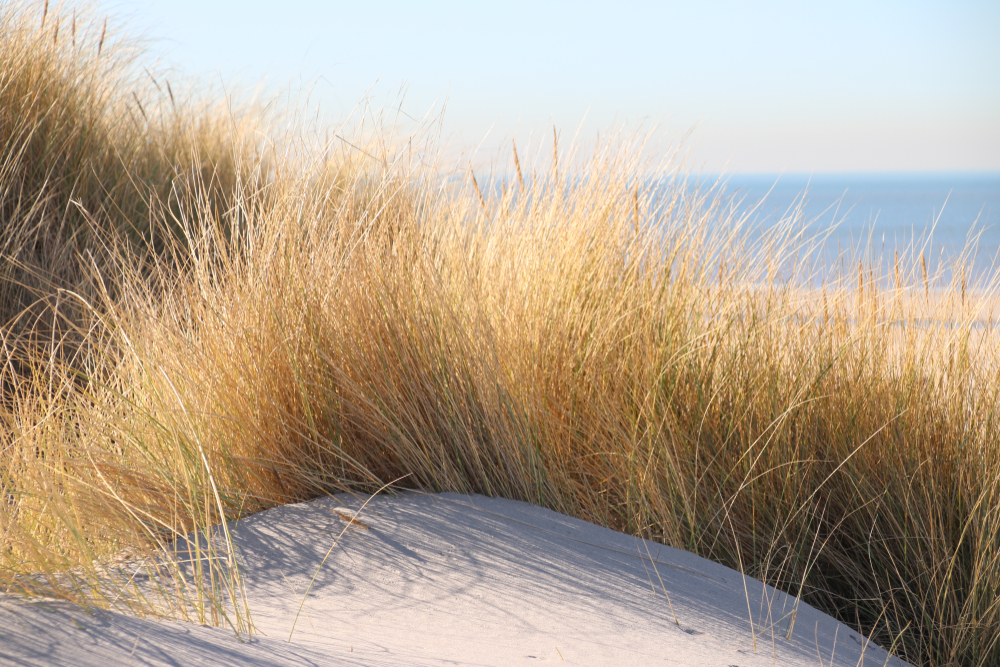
447	579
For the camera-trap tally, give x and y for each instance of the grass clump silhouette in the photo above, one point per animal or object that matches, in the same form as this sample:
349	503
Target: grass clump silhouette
199	324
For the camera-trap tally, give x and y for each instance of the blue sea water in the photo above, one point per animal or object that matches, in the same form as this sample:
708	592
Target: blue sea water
937	214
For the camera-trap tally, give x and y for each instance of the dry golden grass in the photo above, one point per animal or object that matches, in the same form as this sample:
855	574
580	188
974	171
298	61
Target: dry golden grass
224	332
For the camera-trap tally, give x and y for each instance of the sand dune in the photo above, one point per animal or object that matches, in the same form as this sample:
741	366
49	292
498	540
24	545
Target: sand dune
447	579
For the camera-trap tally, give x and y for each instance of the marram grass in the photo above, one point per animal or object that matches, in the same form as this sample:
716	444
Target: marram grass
200	325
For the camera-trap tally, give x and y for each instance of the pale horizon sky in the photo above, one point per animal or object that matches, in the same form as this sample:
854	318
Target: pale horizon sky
773	87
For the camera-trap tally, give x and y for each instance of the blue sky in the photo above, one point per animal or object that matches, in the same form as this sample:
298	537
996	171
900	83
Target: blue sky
763	87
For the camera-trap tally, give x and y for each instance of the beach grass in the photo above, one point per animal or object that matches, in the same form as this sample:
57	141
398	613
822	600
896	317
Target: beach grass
205	314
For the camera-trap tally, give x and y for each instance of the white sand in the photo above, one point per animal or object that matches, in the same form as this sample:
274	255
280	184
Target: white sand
447	579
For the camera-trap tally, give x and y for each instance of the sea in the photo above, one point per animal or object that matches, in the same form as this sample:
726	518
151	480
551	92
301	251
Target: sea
877	216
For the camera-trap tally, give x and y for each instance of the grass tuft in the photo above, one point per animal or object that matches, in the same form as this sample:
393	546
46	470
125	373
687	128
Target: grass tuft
197	326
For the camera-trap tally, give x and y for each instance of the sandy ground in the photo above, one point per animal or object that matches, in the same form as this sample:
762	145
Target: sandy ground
446	579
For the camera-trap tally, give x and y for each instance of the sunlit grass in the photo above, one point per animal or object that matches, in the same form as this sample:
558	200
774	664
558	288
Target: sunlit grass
202	323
